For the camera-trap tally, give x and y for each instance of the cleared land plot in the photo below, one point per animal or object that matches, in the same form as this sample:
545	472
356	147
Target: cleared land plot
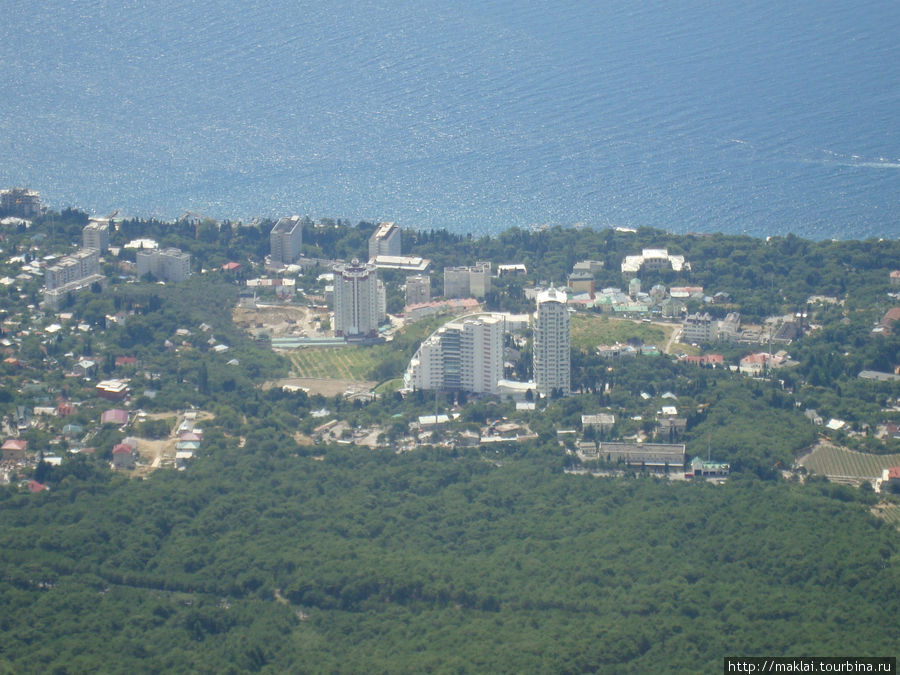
326	387
279	320
344	363
838	463
588	331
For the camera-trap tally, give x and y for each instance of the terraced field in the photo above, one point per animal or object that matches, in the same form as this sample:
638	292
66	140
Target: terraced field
838	463
344	363
890	513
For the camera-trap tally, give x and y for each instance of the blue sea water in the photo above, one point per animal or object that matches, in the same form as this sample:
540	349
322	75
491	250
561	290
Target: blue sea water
761	117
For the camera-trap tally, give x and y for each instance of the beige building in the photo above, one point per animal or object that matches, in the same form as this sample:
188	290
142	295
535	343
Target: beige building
418	289
466	282
96	235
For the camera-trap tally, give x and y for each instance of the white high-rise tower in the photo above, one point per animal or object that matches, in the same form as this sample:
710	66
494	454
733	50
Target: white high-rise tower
552	343
358	304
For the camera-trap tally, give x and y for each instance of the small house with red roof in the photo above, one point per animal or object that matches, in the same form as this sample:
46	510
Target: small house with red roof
122	457
890	480
14	450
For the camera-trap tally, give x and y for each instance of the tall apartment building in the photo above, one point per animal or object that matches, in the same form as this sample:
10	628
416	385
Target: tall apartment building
552	341
418	289
358	300
96	235
386	240
285	240
20	202
467	282
167	264
461	356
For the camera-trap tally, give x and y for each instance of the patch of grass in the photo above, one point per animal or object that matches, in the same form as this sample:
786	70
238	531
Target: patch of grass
340	363
590	330
362	363
390	386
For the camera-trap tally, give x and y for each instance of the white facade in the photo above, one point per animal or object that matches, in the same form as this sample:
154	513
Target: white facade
461	356
653	259
552	343
386	240
167	264
481	354
358	304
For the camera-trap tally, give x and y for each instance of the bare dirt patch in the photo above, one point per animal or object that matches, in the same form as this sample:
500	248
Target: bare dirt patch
281	320
315	385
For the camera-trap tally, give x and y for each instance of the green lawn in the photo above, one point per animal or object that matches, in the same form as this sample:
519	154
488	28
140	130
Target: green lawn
590	330
338	363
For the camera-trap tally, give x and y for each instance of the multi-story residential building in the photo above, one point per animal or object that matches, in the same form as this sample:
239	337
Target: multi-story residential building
481	351
480	279
418	289
358	301
698	328
71	274
462	355
20	202
581	282
552	340
465	282
285	240
456	282
167	264
386	240
96	235
72	268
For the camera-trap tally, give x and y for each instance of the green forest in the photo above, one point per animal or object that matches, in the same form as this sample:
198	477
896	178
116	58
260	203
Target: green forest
273	561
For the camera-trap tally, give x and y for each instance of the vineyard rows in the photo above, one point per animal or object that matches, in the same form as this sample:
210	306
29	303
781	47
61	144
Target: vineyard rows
829	460
890	513
345	363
